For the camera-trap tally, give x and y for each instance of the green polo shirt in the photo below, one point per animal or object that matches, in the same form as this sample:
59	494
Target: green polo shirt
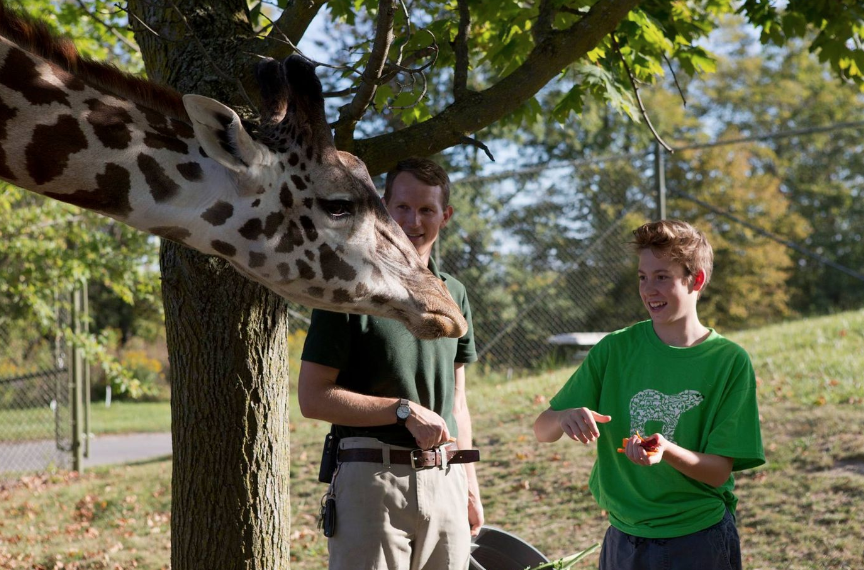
379	357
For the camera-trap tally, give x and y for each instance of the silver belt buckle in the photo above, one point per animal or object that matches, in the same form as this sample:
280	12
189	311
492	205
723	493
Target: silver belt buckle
415	459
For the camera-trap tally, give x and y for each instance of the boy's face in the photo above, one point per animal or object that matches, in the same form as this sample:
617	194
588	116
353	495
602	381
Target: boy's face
666	291
417	209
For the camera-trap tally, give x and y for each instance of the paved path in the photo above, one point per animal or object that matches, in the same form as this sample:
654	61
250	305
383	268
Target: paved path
104	450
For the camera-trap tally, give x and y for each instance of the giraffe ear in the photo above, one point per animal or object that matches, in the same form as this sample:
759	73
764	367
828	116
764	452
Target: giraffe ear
221	134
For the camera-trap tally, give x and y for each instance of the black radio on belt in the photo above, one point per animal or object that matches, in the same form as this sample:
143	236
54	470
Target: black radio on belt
329	456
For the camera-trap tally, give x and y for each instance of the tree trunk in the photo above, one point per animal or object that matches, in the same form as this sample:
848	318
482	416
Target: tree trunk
227	342
228	346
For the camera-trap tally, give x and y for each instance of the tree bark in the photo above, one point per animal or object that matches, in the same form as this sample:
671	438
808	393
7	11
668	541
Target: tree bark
227	341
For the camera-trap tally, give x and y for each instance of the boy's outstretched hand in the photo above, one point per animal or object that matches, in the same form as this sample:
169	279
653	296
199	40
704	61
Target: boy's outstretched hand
647	451
581	423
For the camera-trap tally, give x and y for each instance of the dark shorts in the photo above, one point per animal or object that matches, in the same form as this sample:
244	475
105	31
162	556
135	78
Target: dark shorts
715	548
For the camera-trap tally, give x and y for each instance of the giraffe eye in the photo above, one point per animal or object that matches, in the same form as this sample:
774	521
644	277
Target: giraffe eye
337	209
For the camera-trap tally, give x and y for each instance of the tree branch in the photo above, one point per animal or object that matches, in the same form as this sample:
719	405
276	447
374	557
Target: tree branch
474	142
350	114
292	24
460	49
110	27
642	110
545	17
480	109
675	77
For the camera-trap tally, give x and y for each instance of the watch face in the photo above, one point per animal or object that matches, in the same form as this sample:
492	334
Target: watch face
402	412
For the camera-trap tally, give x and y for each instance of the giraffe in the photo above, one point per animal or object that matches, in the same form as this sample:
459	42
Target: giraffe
275	198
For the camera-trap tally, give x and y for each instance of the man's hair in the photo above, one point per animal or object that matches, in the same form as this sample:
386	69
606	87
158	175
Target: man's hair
424	170
679	242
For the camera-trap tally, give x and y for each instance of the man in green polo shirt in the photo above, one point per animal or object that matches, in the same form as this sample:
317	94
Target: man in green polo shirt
391	396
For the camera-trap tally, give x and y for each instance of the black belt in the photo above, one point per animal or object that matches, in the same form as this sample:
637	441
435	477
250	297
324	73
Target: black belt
417	458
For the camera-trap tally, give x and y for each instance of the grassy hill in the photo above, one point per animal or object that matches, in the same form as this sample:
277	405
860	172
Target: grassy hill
800	511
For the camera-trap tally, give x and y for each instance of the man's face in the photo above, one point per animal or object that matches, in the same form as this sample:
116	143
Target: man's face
666	291
417	209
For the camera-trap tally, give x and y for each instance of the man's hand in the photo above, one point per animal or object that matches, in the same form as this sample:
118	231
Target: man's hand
428	428
475	513
581	423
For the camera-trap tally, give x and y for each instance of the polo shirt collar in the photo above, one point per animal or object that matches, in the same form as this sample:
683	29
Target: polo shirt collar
434	268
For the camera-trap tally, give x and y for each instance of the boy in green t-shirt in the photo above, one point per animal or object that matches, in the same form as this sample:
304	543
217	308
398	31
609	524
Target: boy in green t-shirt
689	392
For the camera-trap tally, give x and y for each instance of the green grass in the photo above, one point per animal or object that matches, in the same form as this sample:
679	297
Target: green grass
799	512
121	417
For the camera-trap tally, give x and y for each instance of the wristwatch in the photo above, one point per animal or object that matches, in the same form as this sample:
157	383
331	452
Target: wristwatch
403	412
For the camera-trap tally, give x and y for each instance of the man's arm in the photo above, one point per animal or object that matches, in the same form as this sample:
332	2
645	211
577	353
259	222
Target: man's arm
463	420
320	398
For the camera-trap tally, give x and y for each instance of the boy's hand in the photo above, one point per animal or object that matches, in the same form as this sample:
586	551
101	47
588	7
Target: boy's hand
637	453
581	423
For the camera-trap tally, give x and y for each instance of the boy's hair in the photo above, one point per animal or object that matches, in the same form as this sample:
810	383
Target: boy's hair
679	242
424	170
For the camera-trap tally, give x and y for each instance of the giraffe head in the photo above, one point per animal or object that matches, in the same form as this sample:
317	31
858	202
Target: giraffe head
276	199
308	221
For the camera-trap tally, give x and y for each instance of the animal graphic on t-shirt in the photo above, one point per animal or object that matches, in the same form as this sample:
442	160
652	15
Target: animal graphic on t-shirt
650	405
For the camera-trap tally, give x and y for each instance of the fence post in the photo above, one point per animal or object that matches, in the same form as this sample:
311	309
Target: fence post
85	318
660	180
76	374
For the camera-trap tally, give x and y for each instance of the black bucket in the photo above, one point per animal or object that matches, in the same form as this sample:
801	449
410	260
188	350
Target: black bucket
494	549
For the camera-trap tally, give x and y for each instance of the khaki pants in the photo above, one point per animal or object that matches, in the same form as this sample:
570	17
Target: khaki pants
390	517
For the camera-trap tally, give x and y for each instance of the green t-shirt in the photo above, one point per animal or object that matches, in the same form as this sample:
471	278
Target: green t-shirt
379	357
703	398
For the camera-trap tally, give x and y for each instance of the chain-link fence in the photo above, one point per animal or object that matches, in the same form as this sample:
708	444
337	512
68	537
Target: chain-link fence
544	251
35	412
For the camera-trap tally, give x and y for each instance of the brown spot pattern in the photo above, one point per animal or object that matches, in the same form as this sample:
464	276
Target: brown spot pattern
308	202
19	73
316	292
183	130
286	197
298	182
49	150
223	248
306	271
293	159
6	115
173	233
309	228
111	195
160	141
218	213
285	271
361	290
292	238
334	266
256	259
341	296
310	255
191	171
162	187
271	225
110	124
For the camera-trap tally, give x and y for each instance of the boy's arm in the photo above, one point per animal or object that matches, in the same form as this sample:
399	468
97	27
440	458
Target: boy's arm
578	423
706	468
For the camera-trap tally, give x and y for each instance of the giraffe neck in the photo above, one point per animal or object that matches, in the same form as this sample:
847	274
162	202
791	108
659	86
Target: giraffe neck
294	214
71	142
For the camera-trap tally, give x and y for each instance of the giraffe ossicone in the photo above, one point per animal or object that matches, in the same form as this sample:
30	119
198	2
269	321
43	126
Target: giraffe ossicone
275	199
